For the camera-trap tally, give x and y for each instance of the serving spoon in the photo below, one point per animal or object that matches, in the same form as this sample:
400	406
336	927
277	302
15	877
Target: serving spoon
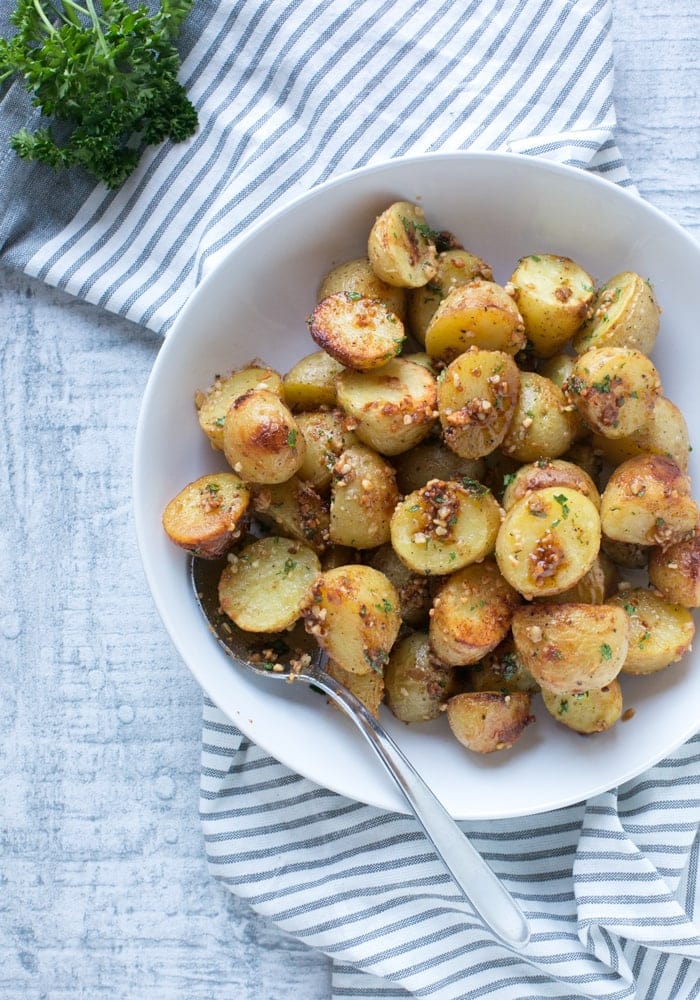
475	879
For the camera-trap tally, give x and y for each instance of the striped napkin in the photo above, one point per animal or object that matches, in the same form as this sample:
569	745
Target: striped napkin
291	92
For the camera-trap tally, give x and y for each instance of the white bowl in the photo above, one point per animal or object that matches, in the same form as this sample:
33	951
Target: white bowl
254	304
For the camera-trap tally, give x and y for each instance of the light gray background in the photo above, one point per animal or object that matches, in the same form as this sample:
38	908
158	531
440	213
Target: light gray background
104	891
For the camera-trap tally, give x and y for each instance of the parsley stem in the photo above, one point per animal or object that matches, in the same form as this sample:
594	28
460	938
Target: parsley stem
98	27
42	14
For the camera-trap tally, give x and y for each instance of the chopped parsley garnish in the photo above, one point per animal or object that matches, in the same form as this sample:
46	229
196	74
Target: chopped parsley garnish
606	651
563	503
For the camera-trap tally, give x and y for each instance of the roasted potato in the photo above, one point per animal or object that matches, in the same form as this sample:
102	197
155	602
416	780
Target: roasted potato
268	584
543	424
213	405
485	721
432	459
262	441
554	296
208	515
416	684
326	434
599	583
480	314
571	647
664	432
471	614
614	390
293	509
548	472
502	670
647	501
625	314
363	498
310	383
454	268
401	247
675	571
367	688
354	616
358	332
660	632
359	277
586	712
414	593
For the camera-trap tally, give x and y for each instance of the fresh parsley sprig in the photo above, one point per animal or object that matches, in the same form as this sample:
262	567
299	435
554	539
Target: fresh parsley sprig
106	74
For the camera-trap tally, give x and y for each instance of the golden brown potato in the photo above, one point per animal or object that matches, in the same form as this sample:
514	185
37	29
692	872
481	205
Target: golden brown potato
358	276
213	405
485	721
354	615
360	333
554	297
571	647
502	670
476	397
471	614
445	526
660	632
310	384
548	541
625	314
543	425
208	515
267	585
262	441
363	498
675	572
557	369
326	435
625	553
454	268
367	688
401	247
614	390
392	408
548	472
433	460
599	583
480	314
664	432
647	501
294	509
416	684
588	711
414	594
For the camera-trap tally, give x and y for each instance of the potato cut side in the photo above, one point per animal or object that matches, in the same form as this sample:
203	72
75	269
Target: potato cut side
664	432
262	441
355	617
548	541
401	247
358	332
554	296
417	685
486	721
549	472
444	526
480	314
454	268
208	515
543	424
599	583
503	670
213	405
294	509
476	396
588	711
311	383
367	688
267	586
472	613
433	460
392	408
625	314
614	390
358	276
675	572
363	499
647	502
327	434
660	632
571	647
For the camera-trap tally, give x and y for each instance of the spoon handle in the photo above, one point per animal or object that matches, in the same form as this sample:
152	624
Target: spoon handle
477	881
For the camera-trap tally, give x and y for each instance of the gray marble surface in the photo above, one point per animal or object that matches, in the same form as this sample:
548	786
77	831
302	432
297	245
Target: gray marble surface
104	889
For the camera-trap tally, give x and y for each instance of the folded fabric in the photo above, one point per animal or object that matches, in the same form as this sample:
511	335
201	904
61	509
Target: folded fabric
290	93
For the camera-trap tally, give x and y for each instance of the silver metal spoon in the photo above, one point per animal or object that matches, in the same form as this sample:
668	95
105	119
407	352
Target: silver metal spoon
469	871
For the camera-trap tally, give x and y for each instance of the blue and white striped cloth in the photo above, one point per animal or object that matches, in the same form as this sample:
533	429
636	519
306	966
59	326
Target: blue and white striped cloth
291	92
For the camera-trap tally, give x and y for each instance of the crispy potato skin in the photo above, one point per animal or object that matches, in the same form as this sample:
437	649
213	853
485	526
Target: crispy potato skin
487	721
358	276
208	516
476	398
454	268
367	688
549	472
480	314
665	432
294	509
543	425
625	314
417	685
554	296
675	571
213	405
262	441
614	390
647	501
660	632
363	498
358	332
400	250
310	384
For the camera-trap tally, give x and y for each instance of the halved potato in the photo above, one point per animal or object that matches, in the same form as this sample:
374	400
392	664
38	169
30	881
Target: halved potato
401	247
433	460
327	434
664	432
416	684
358	276
213	405
355	617
660	632
367	688
480	314
647	501
625	314
476	397
554	296
543	424
393	408
471	614
262	441
208	515
675	571
363	498
358	332
548	472
599	583
588	711
486	721
614	389
268	584
454	268
444	526
310	383
294	509
571	647
502	670
548	541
